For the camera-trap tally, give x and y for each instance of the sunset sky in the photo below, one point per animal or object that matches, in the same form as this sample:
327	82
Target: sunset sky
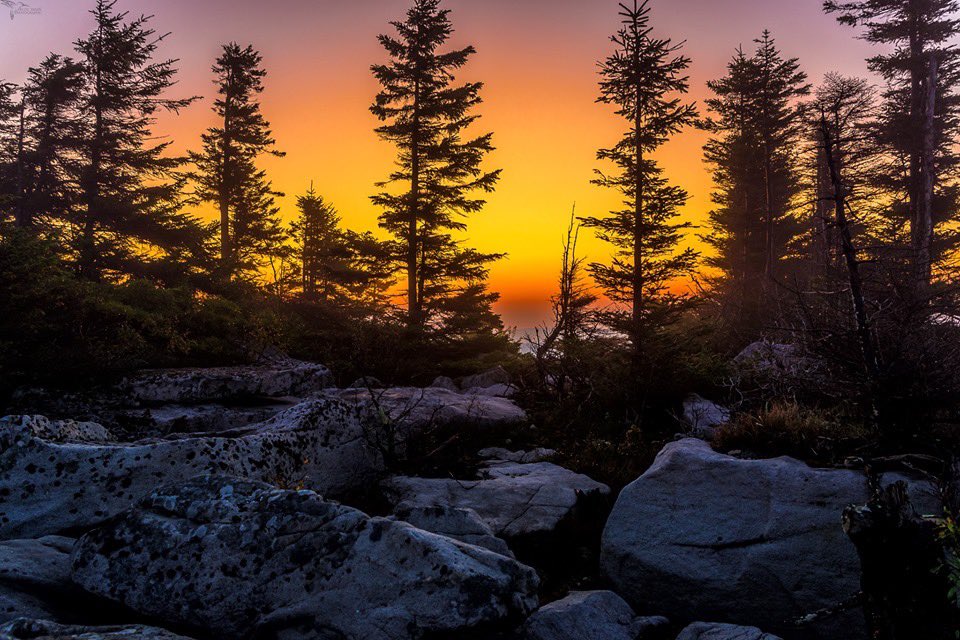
537	57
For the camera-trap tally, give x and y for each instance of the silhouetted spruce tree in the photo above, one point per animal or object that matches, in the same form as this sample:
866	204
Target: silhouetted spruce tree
920	118
256	231
52	135
129	218
336	264
753	151
846	107
9	136
226	167
645	79
427	115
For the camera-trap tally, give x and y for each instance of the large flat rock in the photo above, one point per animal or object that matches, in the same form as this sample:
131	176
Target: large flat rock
27	629
241	559
514	499
52	482
705	536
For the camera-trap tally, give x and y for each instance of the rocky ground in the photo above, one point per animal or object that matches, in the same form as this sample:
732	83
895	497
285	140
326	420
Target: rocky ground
261	502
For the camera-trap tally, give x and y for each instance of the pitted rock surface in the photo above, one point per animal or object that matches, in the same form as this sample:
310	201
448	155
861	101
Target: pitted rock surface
274	376
50	486
514	499
702	535
454	522
26	629
243	559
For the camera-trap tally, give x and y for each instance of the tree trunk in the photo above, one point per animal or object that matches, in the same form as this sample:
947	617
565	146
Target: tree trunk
226	245
923	236
414	297
23	218
864	332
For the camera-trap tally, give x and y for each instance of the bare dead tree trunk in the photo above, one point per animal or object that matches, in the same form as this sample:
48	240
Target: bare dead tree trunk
864	332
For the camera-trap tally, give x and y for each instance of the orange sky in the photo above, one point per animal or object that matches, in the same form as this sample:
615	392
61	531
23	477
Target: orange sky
537	58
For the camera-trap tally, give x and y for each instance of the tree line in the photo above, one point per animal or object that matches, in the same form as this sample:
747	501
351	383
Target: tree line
833	219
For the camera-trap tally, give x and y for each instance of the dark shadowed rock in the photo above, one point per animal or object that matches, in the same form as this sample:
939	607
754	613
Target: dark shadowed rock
461	524
713	631
274	376
26	629
35	579
505	455
515	499
50	485
592	615
703	535
241	559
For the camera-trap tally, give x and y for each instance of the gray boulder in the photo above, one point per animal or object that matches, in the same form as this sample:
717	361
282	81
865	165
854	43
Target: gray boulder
461	524
204	418
411	409
35	579
703	535
242	559
713	631
514	499
497	375
703	416
592	615
444	382
539	454
494	391
26	629
49	484
275	375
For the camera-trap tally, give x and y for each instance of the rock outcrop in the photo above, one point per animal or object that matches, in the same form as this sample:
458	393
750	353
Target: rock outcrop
35	579
275	375
241	559
514	499
713	631
410	410
592	615
51	484
26	629
461	524
703	535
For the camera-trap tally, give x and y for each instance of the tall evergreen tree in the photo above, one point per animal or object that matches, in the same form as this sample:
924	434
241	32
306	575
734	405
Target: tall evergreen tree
129	218
756	131
9	135
52	132
256	231
645	79
426	116
921	115
845	108
226	172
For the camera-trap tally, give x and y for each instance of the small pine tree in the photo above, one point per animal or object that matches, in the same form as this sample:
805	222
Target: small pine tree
336	264
226	172
426	116
645	79
129	218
